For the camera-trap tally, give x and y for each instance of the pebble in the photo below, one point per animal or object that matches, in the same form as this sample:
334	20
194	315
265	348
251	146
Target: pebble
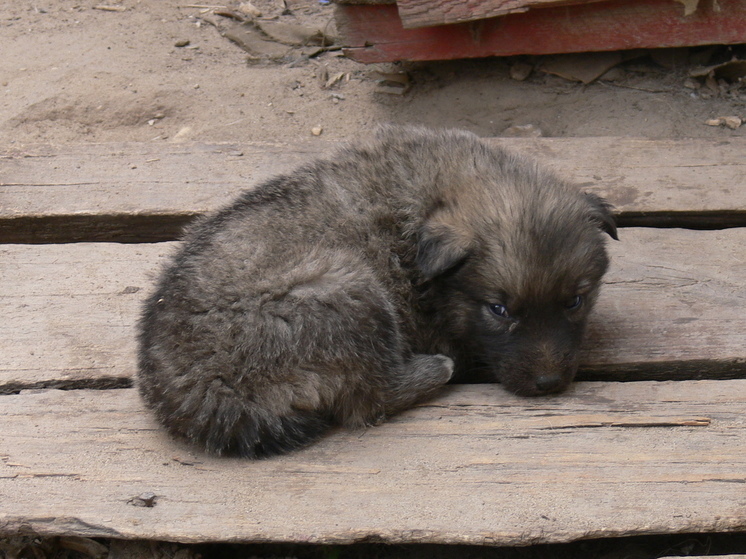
732	122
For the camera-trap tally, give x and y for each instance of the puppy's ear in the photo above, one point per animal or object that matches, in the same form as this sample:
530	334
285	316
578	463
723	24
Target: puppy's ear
440	248
601	213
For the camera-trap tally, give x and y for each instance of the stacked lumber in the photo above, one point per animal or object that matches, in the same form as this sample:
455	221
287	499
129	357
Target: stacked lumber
651	441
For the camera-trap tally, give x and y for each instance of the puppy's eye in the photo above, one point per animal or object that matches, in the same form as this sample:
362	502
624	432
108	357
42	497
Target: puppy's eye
499	310
574	303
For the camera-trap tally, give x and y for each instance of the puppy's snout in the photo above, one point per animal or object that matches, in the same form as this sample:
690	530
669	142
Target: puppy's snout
549	383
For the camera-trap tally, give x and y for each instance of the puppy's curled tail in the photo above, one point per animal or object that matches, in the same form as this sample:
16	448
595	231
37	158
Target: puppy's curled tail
217	420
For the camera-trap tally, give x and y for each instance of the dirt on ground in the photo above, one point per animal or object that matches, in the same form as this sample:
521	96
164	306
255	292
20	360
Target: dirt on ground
168	71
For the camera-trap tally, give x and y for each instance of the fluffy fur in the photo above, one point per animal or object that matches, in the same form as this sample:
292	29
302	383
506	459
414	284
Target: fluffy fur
348	290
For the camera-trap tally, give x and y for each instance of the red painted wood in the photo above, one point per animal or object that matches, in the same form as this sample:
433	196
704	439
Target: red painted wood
374	33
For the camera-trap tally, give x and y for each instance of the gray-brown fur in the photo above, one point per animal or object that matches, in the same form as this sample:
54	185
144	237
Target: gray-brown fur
345	291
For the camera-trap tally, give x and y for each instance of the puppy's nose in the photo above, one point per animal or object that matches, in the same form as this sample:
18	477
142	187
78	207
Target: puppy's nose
548	383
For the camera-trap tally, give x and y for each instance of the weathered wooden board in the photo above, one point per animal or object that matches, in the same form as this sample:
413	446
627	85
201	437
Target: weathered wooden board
474	466
130	191
655	182
374	33
147	192
69	312
673	307
430	13
673	303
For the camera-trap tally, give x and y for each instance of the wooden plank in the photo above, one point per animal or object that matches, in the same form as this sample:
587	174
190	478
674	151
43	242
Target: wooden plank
654	314
475	466
69	312
147	192
130	191
430	13
660	178
672	308
374	33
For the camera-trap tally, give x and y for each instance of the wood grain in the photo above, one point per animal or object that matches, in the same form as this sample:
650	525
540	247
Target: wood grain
431	13
131	192
672	307
672	304
147	192
375	33
474	466
69	312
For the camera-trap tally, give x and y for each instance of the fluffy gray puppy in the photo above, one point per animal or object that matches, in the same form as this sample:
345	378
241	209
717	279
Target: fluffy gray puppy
357	285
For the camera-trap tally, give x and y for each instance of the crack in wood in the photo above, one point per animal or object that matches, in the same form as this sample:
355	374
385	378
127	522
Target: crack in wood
693	422
100	383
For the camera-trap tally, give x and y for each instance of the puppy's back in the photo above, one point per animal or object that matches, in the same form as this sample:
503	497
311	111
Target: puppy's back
282	313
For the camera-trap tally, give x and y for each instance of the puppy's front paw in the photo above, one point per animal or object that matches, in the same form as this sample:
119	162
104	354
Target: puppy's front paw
438	368
445	366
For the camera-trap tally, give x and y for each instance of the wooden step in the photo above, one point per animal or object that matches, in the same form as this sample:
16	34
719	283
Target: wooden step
475	466
147	192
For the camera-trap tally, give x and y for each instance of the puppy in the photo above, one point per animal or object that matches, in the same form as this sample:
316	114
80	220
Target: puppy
358	285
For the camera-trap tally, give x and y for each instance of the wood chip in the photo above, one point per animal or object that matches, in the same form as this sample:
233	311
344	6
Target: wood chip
520	71
334	80
249	9
110	8
731	71
732	122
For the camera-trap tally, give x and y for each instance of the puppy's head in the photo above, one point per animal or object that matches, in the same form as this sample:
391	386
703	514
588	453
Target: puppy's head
514	275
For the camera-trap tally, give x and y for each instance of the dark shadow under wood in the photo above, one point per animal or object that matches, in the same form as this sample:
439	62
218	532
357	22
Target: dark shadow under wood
156	228
94	228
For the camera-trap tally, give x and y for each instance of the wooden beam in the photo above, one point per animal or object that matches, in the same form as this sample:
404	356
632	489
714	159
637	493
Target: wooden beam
374	33
474	466
431	13
148	192
672	308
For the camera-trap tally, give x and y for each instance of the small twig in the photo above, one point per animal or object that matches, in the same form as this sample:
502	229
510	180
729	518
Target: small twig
322	50
609	84
231	14
204	7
